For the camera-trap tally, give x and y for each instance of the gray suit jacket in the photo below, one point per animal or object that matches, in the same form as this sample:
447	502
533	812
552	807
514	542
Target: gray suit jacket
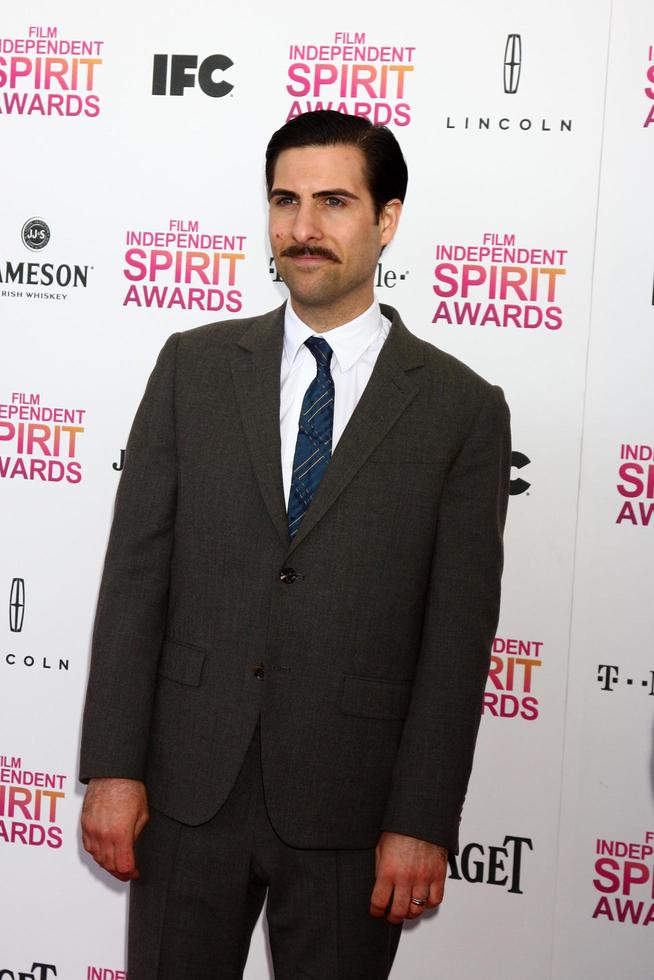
362	644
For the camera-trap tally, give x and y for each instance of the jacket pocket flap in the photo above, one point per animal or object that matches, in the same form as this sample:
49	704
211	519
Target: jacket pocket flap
181	663
375	698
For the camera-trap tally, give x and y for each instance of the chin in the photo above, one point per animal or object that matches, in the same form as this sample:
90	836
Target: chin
310	291
307	299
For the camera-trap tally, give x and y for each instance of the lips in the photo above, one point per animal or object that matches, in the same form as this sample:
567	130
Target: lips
308	259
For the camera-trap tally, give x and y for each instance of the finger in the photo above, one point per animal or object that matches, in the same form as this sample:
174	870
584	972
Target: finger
93	846
436	890
124	857
377	859
142	820
107	857
110	862
88	834
122	877
91	832
94	839
381	896
107	853
416	910
400	907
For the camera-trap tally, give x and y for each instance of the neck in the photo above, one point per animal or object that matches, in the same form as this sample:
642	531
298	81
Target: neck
323	318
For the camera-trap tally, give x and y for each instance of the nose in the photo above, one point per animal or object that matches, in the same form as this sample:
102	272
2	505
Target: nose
306	226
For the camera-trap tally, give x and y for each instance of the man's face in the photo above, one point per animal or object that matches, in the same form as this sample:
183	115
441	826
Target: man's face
324	233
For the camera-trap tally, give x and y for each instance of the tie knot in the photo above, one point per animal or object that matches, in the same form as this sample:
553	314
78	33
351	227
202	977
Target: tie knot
320	350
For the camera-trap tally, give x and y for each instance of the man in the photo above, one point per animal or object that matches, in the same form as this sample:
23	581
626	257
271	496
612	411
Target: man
299	596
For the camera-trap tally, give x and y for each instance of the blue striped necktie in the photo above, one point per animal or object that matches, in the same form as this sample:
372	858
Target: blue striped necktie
313	448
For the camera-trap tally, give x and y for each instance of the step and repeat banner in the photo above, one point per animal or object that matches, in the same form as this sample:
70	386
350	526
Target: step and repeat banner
134	206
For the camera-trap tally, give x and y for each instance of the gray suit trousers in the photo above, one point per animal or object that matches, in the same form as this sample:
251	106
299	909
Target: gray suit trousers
202	888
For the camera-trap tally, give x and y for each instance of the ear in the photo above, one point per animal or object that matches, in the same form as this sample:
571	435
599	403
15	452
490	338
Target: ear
389	220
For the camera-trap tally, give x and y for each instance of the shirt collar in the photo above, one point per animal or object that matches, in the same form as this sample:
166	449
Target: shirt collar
348	341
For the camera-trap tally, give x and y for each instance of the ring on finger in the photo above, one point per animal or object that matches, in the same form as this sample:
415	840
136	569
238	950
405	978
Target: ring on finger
418	901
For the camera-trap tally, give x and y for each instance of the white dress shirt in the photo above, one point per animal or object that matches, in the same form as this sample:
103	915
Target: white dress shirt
356	346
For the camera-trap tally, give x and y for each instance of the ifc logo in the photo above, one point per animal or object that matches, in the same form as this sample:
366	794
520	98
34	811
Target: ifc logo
35	234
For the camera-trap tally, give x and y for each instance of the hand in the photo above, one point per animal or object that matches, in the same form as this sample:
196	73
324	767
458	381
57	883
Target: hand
407	867
115	812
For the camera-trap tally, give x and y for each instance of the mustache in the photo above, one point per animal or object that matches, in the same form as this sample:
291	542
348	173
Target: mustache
297	251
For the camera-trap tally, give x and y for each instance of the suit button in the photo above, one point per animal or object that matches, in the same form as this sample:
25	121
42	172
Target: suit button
258	671
288	576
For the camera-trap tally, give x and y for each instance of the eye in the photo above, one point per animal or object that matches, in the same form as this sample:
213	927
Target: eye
282	202
334	202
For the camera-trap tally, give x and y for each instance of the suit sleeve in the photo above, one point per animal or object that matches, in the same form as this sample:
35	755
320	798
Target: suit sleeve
132	602
434	760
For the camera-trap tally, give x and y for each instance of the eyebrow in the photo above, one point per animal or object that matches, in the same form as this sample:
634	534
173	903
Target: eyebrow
337	192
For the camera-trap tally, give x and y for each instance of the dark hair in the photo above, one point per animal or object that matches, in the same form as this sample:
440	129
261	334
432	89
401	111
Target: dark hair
385	169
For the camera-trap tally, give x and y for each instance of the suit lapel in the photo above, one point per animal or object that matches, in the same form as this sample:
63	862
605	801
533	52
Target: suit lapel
256	365
385	397
256	378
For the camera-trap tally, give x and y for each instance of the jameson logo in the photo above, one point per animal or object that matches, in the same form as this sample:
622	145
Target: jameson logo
35	234
19	277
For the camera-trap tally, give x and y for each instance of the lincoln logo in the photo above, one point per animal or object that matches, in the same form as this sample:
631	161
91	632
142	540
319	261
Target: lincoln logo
512	61
16	605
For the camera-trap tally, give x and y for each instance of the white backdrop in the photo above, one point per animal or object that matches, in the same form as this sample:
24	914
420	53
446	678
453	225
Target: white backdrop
525	249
